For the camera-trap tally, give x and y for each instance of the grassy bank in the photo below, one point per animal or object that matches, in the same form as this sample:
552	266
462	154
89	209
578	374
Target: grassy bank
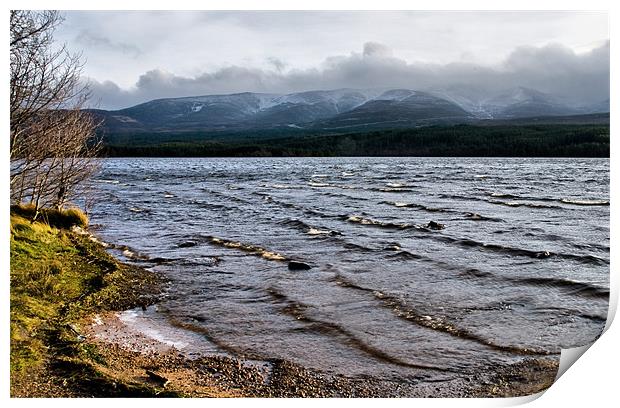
59	276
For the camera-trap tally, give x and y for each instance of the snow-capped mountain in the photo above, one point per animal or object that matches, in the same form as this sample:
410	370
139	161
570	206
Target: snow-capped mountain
335	109
523	102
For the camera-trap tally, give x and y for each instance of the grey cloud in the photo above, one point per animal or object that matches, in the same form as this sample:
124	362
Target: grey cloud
373	49
555	69
89	39
277	63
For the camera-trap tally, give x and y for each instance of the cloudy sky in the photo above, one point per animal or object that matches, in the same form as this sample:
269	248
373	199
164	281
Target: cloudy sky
133	57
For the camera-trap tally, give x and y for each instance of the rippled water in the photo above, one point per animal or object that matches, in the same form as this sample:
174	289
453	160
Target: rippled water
519	269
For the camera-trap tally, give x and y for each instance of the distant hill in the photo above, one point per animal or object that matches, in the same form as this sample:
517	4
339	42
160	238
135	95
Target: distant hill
334	110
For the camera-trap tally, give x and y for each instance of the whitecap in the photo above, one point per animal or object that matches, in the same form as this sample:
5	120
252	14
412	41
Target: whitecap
273	256
314	231
585	202
128	253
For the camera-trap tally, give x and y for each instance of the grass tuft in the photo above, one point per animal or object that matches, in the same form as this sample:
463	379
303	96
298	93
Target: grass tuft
56	218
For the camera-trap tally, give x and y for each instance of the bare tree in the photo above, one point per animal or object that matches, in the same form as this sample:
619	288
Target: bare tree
53	143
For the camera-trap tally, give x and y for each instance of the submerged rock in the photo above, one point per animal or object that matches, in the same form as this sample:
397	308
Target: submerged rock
187	244
435	225
298	266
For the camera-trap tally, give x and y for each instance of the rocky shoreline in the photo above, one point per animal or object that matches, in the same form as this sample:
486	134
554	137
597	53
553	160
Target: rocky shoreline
133	357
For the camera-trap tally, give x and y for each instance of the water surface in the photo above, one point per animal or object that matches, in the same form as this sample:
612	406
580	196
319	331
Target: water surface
520	269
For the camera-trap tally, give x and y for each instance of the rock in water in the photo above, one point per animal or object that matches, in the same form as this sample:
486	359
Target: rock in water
298	266
435	225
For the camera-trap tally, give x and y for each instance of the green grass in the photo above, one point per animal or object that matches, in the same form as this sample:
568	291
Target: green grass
57	278
59	218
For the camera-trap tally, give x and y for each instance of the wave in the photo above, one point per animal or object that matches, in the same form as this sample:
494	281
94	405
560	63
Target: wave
477	217
125	250
105	181
585	202
393	190
397	185
577	288
469	215
414	205
139	210
309	229
567	241
314	231
520	197
517	203
251	249
430	226
298	311
212	206
503	195
595	202
227	196
470	243
465	242
347	196
387	225
203	331
310	211
406	312
357	247
460	197
314	184
404	255
523	204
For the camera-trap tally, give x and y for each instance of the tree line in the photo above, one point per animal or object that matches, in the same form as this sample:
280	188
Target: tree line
461	140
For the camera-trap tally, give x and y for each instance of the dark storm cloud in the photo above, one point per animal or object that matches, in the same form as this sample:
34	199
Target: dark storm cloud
555	69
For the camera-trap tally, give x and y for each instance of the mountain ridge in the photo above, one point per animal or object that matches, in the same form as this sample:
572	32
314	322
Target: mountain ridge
345	108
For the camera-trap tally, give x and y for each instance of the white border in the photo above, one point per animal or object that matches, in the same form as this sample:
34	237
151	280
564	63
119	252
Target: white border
592	380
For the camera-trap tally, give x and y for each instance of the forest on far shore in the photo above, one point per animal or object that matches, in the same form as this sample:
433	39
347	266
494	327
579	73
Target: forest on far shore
545	140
